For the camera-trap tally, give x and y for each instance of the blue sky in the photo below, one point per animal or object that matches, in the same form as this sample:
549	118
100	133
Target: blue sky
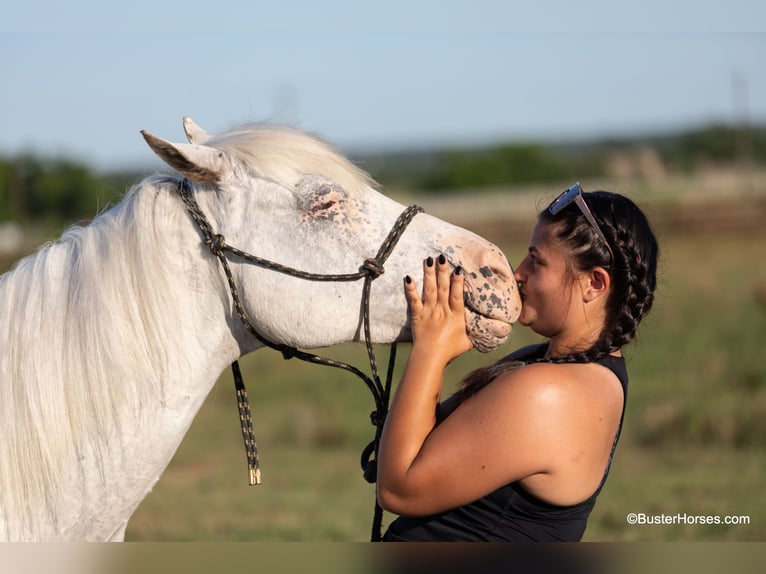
81	78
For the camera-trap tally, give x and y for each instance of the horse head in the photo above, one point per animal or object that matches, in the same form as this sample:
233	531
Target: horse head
289	197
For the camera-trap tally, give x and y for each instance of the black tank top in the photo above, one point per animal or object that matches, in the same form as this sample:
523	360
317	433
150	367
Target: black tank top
510	513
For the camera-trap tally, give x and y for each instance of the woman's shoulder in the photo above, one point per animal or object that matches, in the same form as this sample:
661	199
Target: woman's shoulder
558	384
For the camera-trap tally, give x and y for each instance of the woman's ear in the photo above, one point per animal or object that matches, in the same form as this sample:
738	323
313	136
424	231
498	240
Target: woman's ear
596	284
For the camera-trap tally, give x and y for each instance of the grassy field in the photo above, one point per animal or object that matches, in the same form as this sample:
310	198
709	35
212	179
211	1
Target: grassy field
693	442
695	427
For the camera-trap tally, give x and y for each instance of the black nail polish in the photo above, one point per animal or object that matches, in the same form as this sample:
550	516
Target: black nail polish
458	270
442	259
430	262
407	279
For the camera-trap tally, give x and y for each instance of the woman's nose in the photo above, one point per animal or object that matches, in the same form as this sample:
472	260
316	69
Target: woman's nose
519	274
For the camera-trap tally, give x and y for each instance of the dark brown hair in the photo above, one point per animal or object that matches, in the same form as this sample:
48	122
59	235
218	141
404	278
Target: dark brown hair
633	274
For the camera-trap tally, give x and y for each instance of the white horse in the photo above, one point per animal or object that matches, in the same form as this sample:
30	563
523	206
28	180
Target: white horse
112	336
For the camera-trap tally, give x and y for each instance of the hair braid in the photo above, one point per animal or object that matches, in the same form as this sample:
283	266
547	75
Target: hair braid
634	271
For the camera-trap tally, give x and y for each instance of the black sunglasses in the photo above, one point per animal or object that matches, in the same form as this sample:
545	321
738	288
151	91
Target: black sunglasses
574	194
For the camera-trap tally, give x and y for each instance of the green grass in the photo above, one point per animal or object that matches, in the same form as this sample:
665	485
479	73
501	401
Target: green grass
692	444
693	441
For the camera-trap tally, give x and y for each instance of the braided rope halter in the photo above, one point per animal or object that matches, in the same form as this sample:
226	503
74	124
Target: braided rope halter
369	271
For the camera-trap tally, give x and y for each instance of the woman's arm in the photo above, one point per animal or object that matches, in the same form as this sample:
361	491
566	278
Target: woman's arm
446	407
439	335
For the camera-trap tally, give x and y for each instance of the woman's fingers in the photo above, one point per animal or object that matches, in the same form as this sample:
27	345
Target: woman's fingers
456	291
413	296
429	283
443	280
437	313
440	287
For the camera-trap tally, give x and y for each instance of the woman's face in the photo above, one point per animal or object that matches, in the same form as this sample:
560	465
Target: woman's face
545	286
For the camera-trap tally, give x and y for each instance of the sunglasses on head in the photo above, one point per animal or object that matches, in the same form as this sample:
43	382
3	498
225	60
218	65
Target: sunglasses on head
574	194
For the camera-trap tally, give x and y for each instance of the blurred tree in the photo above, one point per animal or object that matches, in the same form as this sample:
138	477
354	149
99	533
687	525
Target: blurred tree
55	190
487	167
716	144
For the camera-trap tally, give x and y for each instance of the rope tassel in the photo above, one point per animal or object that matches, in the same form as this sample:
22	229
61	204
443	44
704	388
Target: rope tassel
246	423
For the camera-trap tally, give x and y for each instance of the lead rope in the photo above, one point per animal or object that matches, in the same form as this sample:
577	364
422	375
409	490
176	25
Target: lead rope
246	424
370	270
370	465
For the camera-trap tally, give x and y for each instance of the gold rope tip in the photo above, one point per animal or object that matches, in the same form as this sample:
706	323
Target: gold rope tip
255	476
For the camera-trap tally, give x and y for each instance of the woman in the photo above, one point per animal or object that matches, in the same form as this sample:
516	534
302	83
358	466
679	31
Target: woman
522	450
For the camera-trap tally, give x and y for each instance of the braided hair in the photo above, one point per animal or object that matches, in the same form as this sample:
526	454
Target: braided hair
633	274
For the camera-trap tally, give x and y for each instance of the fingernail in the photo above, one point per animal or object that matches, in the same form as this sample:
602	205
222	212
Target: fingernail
407	279
458	270
430	262
442	259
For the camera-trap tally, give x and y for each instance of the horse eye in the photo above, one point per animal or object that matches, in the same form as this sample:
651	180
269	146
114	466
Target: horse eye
322	206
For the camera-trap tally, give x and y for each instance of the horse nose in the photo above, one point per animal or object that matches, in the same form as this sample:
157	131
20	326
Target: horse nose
498	271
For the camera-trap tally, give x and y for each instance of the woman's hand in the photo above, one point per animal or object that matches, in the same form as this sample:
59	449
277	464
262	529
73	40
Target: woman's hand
438	336
438	316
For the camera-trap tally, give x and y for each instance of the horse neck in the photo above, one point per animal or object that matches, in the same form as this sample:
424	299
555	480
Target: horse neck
119	340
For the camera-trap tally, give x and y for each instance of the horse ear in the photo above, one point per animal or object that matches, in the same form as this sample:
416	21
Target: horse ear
197	162
194	133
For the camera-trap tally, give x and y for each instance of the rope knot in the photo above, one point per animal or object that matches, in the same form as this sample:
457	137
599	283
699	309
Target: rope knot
377	418
216	243
373	268
288	352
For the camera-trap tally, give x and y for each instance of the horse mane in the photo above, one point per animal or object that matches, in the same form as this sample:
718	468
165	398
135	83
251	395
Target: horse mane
286	155
83	348
87	339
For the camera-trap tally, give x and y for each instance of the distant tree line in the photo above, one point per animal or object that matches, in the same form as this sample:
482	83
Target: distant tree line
59	190
715	144
506	165
54	190
521	163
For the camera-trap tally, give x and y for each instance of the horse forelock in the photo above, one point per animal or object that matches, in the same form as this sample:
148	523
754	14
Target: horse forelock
286	155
